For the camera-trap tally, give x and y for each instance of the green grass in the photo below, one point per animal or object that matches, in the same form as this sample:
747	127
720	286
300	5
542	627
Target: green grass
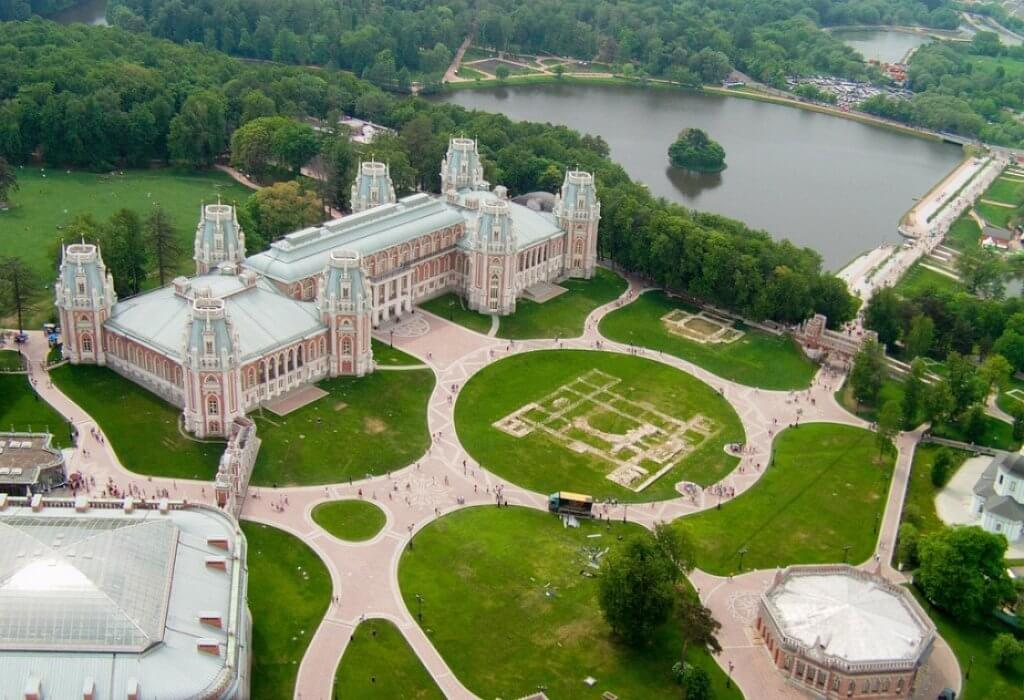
141	427
289	591
354	521
11	360
921	492
972	645
892	390
378	663
483	574
963	234
563	316
919	278
451	307
542	463
475	53
823	491
1006	190
996	215
1013	67
1008	403
467	72
386	355
21	410
366	425
42	207
757	359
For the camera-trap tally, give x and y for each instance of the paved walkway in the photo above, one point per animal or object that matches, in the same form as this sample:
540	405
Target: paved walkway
364	575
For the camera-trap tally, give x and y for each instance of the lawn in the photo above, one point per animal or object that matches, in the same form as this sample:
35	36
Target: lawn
289	591
365	425
507	608
756	359
994	214
378	663
919	505
42	206
467	72
11	360
824	490
141	427
563	316
388	356
998	434
354	521
1012	402
475	53
892	390
544	463
963	234
1006	190
21	410
918	278
450	306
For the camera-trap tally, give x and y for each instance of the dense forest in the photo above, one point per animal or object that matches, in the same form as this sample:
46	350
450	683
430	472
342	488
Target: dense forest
97	97
23	9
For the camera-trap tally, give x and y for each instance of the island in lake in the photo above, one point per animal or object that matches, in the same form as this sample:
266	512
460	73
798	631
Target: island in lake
695	150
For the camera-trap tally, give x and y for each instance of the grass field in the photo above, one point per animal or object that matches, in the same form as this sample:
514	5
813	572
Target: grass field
11	360
919	505
540	462
354	521
997	434
378	663
387	356
999	216
563	316
918	278
467	72
963	234
366	425
757	359
1006	190
507	608
21	410
141	427
823	491
892	390
289	591
451	307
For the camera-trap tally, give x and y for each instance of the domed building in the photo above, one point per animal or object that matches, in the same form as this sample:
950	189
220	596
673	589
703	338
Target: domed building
998	501
840	632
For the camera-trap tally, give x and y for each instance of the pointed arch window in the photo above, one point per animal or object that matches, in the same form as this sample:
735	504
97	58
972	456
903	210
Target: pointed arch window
212	405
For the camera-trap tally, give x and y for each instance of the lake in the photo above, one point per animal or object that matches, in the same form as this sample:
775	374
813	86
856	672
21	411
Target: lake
879	44
833	184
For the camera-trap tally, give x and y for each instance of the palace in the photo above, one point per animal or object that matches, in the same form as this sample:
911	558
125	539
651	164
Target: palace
246	330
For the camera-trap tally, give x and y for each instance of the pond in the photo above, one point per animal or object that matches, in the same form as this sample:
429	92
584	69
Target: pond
882	45
833	184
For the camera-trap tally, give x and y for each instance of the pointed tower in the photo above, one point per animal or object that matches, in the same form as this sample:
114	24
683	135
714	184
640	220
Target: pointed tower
490	287
219	238
372	186
213	385
578	210
345	306
461	168
84	296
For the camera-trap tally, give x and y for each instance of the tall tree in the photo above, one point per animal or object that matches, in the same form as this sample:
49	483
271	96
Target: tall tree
294	144
8	181
868	373
913	393
163	242
698	627
635	589
890	417
199	133
962	571
920	337
19	288
124	250
279	209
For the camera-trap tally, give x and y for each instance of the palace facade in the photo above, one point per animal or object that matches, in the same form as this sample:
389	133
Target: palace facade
247	330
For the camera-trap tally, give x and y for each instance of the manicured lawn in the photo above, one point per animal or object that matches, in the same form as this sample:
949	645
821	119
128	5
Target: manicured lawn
892	390
386	355
1007	190
42	206
544	463
378	663
451	307
11	360
1012	403
355	521
289	591
963	234
921	492
919	278
467	72
757	359
972	645
365	425
21	410
507	608
994	214
824	491
141	427
997	434
563	316
474	53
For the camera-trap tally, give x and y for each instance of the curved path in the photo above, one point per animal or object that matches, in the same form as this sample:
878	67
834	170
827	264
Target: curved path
365	574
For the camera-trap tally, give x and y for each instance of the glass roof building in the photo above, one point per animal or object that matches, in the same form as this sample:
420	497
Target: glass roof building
121	600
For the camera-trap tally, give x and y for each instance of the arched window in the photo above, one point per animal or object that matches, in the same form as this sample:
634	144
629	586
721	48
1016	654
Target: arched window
86	342
346	346
579	246
212	406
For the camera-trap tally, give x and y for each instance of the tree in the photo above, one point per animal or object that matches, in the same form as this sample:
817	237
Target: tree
8	181
963	381
913	393
883	315
920	337
962	571
256	104
279	209
677	545
425	150
199	132
294	144
693	149
635	589
890	418
698	628
19	288
252	145
337	165
695	681
833	299
868	373
559	70
939	402
501	73
1006	649
124	251
907	548
163	241
1018	423
983	271
974	423
995	373
940	468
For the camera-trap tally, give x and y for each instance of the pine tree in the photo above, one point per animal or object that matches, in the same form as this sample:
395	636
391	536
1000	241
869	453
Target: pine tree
162	240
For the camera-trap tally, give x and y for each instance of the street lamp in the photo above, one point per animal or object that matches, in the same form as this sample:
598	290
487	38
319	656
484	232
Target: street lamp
419	607
967	675
741	553
846	551
728	678
451	308
392	341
